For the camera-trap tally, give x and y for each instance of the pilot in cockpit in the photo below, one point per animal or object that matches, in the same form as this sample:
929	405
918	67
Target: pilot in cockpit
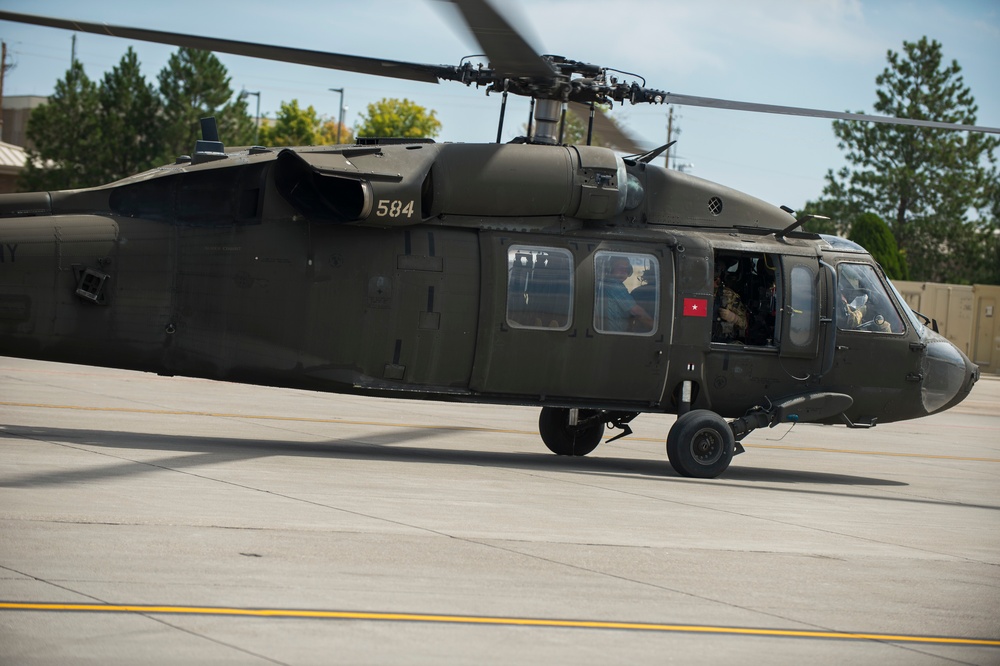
857	311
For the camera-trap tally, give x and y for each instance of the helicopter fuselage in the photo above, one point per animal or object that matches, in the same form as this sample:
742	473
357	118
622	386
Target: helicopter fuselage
466	273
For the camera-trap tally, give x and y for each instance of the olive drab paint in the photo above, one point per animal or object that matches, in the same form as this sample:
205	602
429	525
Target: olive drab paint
595	286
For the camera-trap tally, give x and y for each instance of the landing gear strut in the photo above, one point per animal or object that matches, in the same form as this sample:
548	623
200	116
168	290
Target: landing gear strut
700	444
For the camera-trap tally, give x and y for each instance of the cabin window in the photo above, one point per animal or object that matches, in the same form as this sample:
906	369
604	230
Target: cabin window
539	287
863	303
746	298
627	295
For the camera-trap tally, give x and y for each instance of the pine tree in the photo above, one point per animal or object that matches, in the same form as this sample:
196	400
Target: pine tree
66	136
925	182
195	85
130	121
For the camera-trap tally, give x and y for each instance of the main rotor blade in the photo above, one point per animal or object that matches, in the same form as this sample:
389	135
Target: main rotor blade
712	102
377	66
509	53
610	135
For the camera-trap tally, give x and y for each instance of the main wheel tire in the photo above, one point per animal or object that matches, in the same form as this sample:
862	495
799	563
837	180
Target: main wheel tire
700	445
564	439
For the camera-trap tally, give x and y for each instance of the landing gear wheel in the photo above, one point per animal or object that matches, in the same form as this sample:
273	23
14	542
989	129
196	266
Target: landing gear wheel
564	439
700	445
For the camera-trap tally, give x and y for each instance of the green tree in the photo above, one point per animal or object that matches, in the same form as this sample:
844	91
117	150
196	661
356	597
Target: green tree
574	131
330	136
837	212
295	126
398	118
195	85
129	116
66	135
926	183
990	271
872	233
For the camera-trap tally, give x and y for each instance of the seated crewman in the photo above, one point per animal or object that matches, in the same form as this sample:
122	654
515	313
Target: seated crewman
620	312
731	315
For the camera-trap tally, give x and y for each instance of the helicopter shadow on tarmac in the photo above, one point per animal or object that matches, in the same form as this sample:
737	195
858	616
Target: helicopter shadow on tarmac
186	453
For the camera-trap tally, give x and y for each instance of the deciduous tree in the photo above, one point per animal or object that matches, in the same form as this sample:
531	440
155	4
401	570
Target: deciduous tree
331	134
398	118
295	126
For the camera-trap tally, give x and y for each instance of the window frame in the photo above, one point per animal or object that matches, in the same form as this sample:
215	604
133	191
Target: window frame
647	260
553	288
886	291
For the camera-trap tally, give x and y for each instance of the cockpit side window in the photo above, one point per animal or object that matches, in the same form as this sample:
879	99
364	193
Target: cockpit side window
863	303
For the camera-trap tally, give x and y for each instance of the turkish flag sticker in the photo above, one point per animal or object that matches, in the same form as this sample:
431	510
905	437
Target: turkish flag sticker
695	307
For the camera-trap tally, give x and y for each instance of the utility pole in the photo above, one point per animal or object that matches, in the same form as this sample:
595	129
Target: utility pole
340	115
670	134
256	133
3	70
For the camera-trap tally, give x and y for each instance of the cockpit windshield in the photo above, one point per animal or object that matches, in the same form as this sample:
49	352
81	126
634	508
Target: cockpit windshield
842	244
915	322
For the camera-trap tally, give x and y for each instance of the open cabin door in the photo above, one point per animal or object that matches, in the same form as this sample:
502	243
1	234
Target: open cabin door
573	321
807	332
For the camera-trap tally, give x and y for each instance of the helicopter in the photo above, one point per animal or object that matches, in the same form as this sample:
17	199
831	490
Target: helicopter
595	286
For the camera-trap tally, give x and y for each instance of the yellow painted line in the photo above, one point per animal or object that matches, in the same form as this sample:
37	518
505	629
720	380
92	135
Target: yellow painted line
496	621
384	424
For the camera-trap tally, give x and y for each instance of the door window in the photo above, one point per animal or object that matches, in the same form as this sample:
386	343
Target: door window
802	329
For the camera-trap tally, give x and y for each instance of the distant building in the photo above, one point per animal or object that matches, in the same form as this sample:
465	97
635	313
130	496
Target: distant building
14	137
16	110
12	159
967	315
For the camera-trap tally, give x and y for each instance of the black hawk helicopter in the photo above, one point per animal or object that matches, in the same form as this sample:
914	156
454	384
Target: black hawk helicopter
595	286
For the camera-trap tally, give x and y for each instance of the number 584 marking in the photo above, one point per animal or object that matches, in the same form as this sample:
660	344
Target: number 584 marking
394	208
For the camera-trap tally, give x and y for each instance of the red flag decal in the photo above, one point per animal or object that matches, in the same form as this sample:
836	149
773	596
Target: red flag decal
695	307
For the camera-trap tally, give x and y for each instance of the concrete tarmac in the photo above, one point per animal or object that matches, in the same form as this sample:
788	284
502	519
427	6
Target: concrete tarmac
150	520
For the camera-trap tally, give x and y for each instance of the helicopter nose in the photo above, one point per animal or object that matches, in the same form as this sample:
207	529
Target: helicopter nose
949	375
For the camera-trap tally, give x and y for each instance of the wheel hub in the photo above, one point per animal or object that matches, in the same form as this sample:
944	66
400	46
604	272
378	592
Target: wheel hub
706	446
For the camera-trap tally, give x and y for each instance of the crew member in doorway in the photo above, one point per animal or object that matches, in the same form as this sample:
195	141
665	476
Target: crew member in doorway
730	323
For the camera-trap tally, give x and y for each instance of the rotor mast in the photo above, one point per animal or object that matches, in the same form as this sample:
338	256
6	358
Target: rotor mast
548	113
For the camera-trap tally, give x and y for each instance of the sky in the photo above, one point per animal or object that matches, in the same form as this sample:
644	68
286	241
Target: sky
821	54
